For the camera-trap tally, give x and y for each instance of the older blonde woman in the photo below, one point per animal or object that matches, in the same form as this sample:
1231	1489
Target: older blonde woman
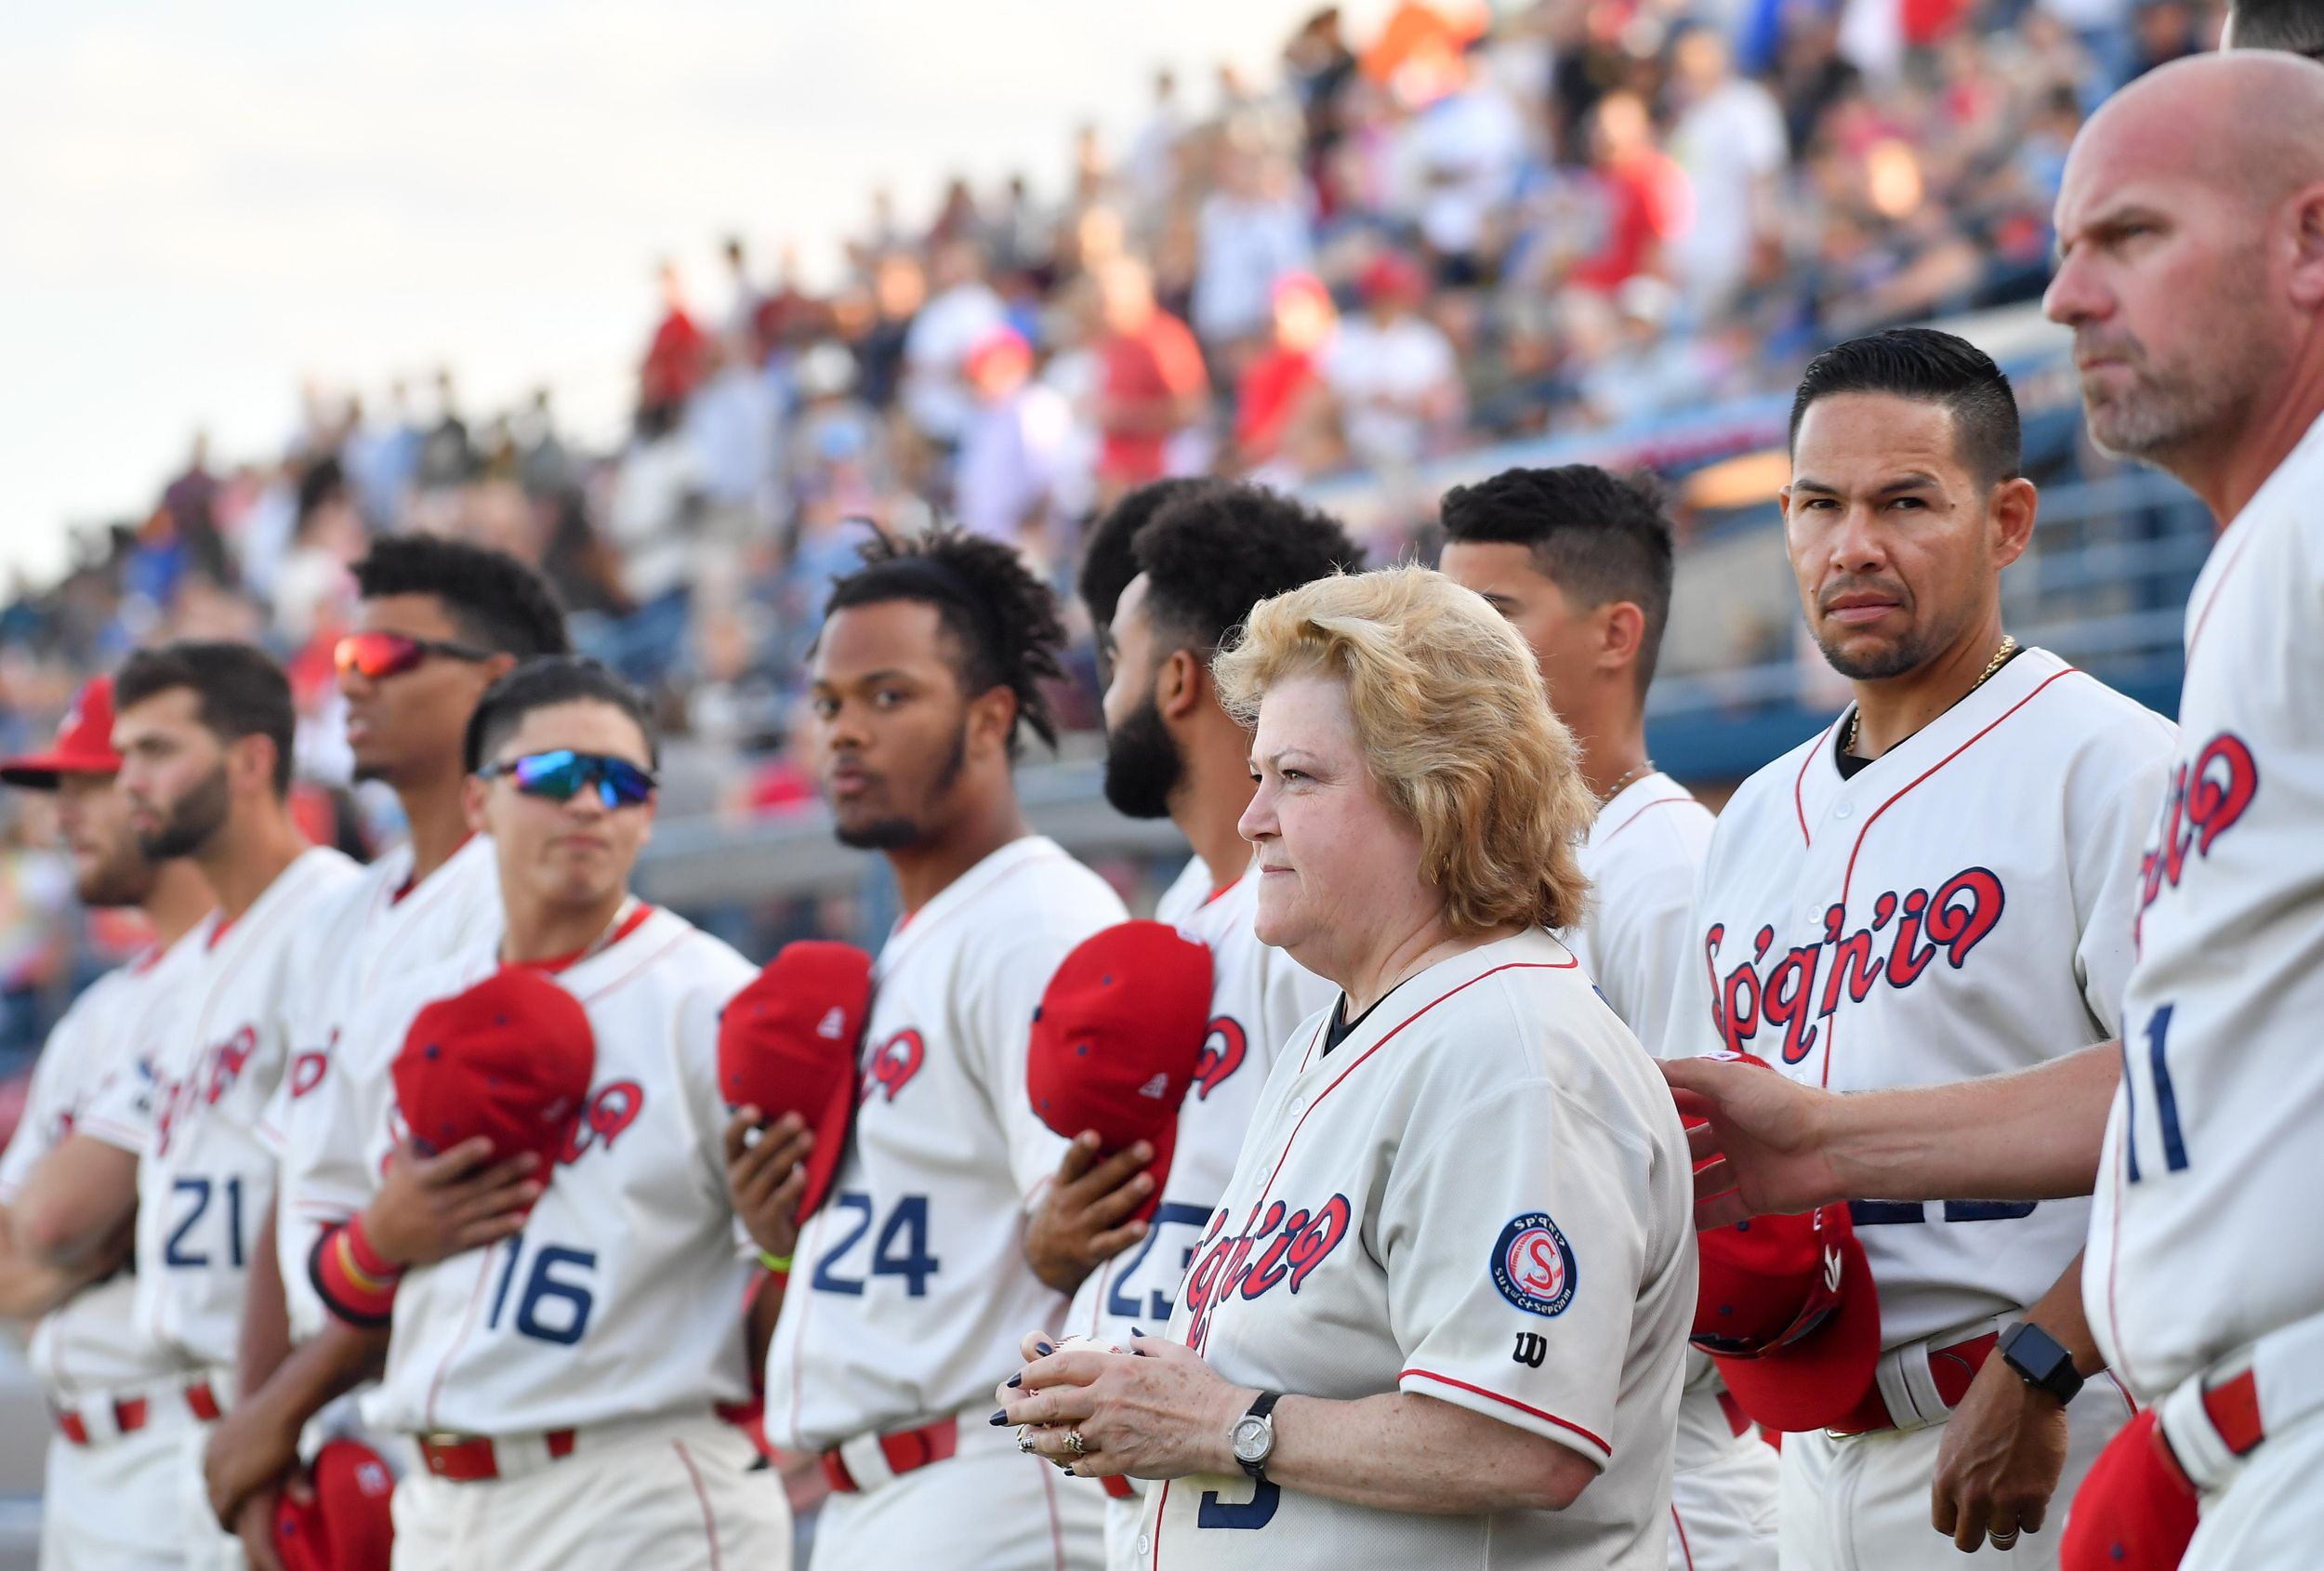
1438	1318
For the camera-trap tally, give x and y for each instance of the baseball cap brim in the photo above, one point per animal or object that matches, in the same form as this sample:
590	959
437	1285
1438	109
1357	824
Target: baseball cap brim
40	771
833	1125
1820	1379
1165	1142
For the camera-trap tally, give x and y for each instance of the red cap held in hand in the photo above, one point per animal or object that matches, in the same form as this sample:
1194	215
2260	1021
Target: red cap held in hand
347	1525
1788	1311
2134	1510
84	745
510	1057
1117	1038
788	1043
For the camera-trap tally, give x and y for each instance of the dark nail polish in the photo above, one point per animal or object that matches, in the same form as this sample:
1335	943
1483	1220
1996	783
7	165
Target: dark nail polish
1135	1332
1044	1349
1015	1381
1000	1417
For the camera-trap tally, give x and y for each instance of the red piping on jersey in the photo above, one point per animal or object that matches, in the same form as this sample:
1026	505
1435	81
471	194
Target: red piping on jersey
1155	1561
2128	1400
475	1303
998	879
1798	780
1658	801
411	882
1508	1402
1569	964
225	926
2203	616
557	963
1679	1529
1848	878
710	1518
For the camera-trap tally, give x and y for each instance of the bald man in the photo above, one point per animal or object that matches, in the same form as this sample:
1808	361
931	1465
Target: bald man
2191	269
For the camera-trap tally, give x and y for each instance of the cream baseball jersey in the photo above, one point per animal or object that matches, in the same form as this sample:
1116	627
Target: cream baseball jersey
1961	906
1260	998
381	928
1644	849
205	1179
624	1296
95	1078
1187	892
911	1289
2192	1250
1481	1195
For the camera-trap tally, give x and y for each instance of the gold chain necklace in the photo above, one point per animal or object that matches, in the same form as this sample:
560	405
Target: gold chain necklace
1633	772
2008	648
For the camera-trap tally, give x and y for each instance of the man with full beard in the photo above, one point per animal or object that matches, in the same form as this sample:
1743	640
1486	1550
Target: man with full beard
204	731
114	1493
910	1285
1203	560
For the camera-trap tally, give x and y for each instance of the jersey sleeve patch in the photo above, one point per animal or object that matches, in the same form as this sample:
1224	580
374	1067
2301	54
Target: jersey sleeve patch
1533	1265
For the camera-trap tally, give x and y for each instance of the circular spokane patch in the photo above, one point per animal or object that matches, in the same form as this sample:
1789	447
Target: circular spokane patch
1533	1265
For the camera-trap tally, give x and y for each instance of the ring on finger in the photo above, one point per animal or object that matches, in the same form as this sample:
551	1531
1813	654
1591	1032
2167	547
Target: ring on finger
1074	1444
1025	1437
2004	1540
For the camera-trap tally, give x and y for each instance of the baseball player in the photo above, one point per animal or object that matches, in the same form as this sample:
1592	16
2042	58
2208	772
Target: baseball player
2196	330
1204	559
910	1285
438	621
1884	905
1579	562
204	731
1108	563
565	1338
114	1493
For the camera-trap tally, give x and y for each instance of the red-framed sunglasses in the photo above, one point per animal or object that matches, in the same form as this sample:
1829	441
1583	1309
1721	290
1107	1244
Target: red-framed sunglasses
375	656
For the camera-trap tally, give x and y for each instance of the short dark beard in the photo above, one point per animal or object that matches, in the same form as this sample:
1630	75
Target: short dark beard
199	815
1143	765
900	832
1895	660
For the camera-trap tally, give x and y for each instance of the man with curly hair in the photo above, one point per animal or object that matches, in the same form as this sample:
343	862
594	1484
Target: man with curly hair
911	1285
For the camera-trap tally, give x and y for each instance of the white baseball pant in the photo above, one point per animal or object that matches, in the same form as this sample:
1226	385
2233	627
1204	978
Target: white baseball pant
989	1508
1723	1491
116	1505
676	1494
1862	1503
2270	1515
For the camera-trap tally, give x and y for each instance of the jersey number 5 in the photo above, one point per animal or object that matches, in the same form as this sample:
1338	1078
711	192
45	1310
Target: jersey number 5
899	1251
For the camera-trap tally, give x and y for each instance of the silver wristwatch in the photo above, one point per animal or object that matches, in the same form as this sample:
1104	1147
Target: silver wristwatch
1253	1436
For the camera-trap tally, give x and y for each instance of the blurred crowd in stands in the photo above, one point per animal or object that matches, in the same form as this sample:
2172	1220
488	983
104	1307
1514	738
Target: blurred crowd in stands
1456	229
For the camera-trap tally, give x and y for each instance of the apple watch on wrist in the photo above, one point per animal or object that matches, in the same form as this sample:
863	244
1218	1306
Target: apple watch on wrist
2041	1360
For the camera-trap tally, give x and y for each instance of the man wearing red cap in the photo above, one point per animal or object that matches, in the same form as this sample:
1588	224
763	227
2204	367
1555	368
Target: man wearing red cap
1203	562
1884	906
204	733
567	1295
115	1493
438	621
911	1286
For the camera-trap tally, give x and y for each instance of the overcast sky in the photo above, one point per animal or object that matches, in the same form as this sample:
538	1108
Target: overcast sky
202	207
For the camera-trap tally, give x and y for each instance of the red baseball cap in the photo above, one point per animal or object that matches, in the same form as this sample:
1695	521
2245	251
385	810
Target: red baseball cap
2134	1510
1392	276
510	1057
347	1526
1116	1037
1787	1309
788	1043
83	745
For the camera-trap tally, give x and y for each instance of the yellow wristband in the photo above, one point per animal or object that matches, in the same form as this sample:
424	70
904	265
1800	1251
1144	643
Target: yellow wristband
779	1265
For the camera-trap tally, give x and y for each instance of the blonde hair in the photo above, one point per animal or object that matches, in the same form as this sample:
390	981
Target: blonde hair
1452	716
